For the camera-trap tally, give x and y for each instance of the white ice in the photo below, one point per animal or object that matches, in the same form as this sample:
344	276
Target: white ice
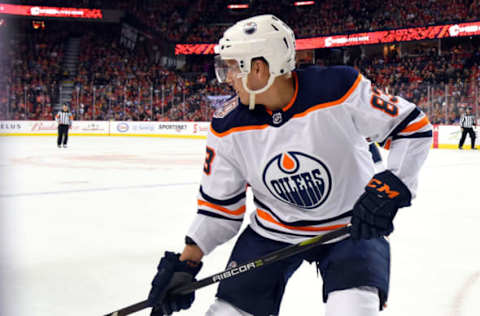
83	228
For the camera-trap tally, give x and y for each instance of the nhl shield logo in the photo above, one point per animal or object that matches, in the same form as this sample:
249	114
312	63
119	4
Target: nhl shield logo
298	179
277	118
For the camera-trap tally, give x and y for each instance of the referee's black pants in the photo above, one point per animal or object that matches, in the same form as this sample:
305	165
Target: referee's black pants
62	134
471	133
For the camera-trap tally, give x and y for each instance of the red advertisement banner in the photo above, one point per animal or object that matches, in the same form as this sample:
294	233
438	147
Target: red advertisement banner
194	49
379	37
300	3
39	11
238	6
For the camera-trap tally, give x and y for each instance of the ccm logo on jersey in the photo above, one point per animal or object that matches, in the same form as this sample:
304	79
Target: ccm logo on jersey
298	179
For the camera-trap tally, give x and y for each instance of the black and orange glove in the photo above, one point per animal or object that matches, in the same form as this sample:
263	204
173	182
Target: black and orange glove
374	211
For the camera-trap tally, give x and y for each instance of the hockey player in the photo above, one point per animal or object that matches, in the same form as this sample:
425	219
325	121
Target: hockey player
299	139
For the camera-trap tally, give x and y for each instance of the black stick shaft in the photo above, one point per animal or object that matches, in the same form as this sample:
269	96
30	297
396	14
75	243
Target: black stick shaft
130	309
262	261
244	268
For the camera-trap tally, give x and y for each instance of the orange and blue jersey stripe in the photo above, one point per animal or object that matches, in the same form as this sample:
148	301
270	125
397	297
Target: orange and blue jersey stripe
230	209
411	125
265	215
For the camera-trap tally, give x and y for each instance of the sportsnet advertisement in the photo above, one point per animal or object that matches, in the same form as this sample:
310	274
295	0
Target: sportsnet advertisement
159	129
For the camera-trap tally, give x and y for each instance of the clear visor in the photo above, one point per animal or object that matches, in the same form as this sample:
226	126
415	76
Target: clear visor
225	69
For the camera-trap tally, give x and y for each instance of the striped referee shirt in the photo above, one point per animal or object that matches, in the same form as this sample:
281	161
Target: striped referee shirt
467	121
64	118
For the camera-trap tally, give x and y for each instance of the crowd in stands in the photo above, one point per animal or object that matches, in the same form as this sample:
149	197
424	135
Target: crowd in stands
442	85
30	71
203	23
204	20
113	82
116	83
170	20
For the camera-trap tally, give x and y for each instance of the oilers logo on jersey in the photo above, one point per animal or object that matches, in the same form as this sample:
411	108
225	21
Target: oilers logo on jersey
298	179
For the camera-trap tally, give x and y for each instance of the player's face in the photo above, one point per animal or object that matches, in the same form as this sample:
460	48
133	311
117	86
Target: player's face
256	79
229	72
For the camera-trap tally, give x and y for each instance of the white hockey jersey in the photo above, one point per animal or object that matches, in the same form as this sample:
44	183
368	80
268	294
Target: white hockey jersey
307	163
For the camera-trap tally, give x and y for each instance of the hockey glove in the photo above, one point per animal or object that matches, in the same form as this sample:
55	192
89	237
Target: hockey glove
374	211
171	274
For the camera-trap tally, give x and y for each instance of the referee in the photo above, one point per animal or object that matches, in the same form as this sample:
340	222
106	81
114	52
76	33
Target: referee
64	119
467	123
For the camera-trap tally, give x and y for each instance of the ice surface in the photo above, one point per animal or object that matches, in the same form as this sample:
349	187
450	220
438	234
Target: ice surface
83	228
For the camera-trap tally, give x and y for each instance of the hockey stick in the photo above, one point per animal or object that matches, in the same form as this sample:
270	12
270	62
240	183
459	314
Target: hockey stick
244	268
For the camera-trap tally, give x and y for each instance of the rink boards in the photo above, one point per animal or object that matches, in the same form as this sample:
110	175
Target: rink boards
445	136
107	128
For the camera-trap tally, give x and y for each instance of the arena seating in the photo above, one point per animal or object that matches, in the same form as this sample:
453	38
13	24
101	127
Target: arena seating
116	83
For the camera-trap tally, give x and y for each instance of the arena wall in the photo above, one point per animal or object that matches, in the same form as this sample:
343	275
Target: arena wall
107	128
445	136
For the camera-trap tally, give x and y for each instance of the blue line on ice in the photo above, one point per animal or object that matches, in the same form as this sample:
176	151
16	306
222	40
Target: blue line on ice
145	186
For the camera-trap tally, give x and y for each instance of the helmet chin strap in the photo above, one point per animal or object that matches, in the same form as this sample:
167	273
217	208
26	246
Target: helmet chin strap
252	93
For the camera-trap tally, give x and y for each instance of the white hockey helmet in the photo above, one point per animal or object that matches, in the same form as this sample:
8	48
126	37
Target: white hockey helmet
259	36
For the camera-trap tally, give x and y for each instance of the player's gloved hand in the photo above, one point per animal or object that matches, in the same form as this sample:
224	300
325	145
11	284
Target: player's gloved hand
374	211
171	274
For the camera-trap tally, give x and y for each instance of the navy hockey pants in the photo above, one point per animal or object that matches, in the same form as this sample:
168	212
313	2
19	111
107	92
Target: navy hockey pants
343	265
